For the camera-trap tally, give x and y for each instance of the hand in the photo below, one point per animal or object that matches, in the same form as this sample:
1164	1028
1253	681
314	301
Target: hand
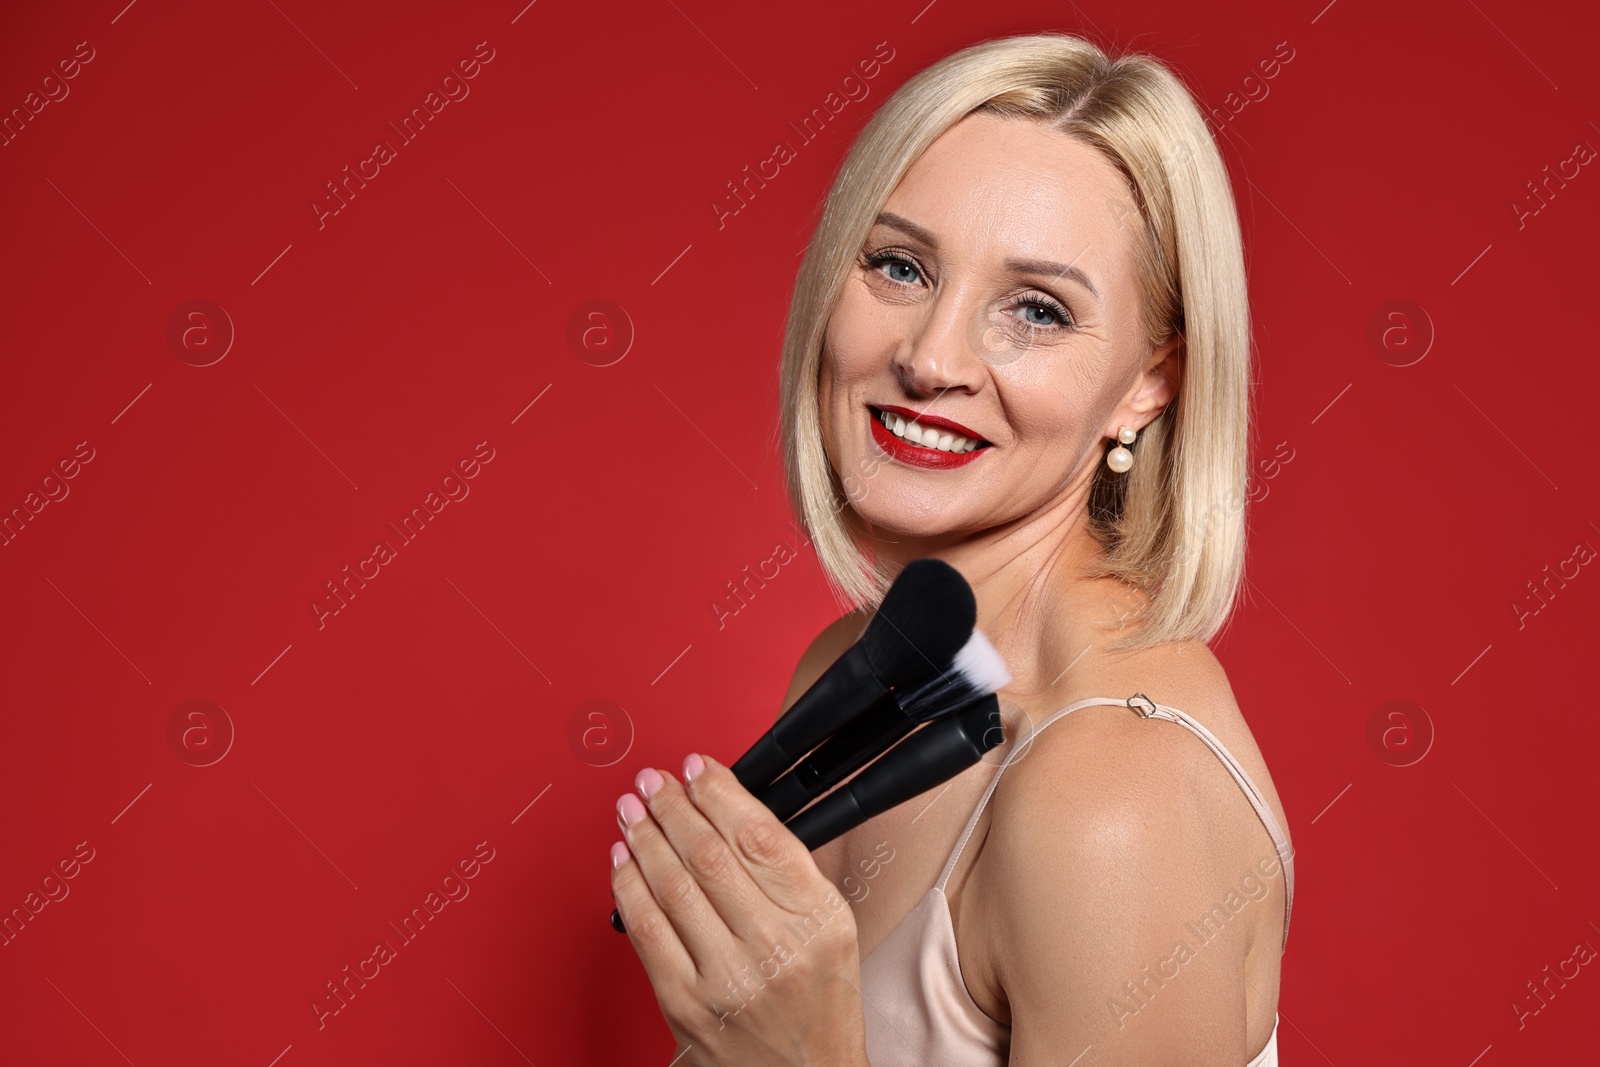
750	949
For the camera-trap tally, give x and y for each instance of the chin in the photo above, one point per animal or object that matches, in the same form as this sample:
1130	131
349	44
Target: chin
896	511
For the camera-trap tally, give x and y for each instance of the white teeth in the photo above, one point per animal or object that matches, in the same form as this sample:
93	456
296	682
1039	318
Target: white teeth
927	437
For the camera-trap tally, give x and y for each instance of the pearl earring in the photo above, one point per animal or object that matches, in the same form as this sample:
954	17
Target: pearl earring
1120	459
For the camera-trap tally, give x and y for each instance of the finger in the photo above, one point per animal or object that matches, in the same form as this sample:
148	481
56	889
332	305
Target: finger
777	861
665	959
745	910
677	893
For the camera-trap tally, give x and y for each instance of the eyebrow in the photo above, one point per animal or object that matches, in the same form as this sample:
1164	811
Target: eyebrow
1044	267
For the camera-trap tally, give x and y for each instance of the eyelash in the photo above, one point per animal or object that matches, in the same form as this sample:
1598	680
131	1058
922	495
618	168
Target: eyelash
1064	319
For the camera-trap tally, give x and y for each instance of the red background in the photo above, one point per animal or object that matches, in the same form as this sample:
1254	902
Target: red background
437	709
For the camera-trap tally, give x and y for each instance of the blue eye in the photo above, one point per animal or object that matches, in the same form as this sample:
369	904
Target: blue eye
1049	307
879	259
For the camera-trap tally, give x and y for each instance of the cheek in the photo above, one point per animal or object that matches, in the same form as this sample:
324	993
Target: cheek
1049	439
858	334
1060	398
848	347
1055	417
831	397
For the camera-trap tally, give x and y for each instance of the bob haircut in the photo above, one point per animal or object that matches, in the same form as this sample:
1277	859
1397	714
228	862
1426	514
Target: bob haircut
1172	526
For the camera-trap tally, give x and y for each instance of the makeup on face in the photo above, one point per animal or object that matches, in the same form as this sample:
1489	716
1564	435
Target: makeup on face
925	441
1032	323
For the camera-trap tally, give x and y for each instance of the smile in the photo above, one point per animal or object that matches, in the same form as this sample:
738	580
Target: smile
930	443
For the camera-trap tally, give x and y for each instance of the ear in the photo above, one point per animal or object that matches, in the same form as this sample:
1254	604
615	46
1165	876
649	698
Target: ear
1155	387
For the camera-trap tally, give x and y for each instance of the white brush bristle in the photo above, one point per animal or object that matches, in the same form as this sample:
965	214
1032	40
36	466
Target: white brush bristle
982	666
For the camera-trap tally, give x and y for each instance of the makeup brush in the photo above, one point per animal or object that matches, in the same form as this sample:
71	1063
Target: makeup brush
924	621
925	618
931	756
978	671
934	754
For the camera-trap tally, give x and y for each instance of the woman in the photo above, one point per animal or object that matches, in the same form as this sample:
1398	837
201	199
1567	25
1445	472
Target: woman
1018	342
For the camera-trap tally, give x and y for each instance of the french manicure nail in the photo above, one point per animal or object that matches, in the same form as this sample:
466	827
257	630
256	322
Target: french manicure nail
692	765
619	855
648	782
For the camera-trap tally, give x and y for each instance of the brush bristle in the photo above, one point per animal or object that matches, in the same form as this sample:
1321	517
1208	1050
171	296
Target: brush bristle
984	667
925	618
977	671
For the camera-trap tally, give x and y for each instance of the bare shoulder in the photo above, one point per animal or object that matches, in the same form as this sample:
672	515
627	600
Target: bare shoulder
1125	766
1123	774
834	640
1125	829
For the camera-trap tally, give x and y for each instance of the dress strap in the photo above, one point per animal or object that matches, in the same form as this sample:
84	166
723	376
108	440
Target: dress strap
961	842
1149	709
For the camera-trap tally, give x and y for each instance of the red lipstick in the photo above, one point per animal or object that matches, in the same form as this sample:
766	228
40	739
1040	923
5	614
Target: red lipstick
924	419
916	455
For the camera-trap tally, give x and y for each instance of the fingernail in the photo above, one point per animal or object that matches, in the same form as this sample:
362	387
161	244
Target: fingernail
629	810
648	782
619	855
692	765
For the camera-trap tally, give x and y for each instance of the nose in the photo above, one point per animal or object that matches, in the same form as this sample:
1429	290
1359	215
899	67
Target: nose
942	351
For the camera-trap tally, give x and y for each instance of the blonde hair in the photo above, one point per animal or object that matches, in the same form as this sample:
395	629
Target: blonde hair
1173	525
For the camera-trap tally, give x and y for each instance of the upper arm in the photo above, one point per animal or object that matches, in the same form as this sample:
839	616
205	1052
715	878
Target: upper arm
1111	842
834	641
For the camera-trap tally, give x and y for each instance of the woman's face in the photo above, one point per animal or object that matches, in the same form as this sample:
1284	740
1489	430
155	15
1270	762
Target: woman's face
995	291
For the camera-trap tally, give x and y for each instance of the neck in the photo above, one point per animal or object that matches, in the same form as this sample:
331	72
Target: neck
1034	603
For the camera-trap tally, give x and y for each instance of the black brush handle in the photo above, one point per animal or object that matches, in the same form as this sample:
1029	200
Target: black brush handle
860	742
833	700
931	756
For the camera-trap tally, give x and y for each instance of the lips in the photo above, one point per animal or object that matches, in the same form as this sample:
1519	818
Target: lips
924	419
924	456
